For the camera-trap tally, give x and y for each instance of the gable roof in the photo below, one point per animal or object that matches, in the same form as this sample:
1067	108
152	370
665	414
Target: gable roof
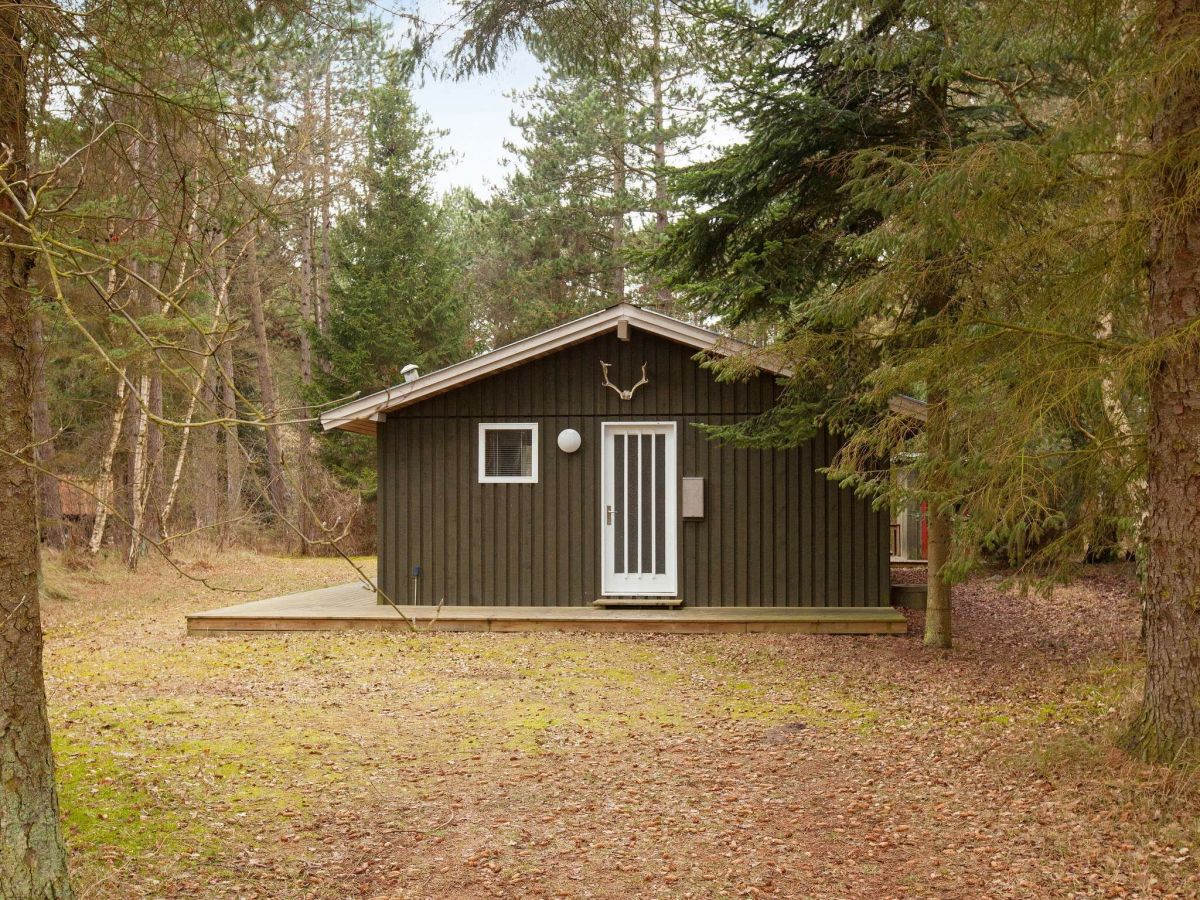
362	414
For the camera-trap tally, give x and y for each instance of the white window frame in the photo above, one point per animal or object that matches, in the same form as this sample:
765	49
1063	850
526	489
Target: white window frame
484	428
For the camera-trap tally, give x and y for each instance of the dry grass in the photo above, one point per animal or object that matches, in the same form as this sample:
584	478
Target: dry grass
569	765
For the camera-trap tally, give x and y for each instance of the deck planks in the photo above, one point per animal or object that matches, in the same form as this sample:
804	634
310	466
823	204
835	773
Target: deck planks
352	607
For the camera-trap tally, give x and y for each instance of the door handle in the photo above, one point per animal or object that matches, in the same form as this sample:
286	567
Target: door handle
608	515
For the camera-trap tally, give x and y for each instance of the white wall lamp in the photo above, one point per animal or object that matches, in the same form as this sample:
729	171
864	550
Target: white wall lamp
569	440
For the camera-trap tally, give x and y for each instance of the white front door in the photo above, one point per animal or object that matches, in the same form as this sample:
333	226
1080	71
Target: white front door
638	509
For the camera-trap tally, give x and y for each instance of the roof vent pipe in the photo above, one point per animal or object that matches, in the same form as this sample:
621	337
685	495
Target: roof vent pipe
410	373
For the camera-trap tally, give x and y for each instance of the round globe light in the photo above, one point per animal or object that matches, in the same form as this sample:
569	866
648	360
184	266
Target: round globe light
569	440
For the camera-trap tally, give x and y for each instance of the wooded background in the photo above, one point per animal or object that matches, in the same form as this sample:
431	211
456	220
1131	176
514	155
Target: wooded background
218	218
238	227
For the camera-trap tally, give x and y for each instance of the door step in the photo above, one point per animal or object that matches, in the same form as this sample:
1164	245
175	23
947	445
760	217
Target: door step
910	596
645	602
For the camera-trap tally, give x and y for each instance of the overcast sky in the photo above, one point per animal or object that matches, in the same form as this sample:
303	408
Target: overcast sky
474	113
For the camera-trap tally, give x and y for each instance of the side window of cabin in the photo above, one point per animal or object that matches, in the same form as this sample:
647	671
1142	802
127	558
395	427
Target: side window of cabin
508	452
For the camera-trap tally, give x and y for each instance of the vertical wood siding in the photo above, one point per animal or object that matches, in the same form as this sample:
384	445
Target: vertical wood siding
775	532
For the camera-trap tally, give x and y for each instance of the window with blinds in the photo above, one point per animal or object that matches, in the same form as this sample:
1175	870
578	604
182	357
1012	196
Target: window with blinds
508	452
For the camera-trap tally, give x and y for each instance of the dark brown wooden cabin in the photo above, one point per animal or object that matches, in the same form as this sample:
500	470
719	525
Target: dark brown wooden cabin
484	499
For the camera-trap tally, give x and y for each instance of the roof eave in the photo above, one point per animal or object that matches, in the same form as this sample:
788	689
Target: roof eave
360	416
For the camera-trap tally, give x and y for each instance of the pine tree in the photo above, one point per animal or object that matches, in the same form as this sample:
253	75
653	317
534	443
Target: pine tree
542	249
33	861
394	291
619	105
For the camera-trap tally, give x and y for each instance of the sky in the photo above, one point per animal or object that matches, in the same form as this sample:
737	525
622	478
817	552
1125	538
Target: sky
474	113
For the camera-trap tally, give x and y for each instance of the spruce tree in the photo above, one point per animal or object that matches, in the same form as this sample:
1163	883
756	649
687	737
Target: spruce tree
782	224
1168	726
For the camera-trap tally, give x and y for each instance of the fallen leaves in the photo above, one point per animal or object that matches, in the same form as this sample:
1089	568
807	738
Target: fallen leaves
546	765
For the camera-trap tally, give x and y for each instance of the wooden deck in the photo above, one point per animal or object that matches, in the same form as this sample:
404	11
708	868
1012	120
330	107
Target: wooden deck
352	607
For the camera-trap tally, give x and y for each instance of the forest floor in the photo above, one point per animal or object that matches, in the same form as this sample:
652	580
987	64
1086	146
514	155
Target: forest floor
498	765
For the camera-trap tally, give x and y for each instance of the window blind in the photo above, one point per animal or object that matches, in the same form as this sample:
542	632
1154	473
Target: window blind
508	453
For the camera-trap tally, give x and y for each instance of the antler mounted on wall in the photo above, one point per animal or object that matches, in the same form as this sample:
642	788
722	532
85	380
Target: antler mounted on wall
624	395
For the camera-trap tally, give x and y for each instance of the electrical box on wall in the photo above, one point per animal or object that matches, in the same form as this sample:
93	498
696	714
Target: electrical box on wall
691	500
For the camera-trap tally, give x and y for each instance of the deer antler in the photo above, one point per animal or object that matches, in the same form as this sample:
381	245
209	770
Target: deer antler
607	383
624	395
644	380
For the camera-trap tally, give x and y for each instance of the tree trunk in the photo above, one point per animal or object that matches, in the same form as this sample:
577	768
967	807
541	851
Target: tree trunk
306	300
1124	450
124	476
204	459
937	609
49	498
145	155
205	484
326	164
199	390
229	432
137	472
618	224
303	523
105	486
152	504
50	501
938	631
1168	725
181	458
661	201
276	488
33	859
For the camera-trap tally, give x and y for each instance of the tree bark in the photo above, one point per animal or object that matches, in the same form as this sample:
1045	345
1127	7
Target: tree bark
140	439
177	476
229	432
122	503
105	486
306	300
1168	725
938	631
937	301
152	504
326	165
618	224
33	858
303	523
661	199
49	499
204	485
206	489
276	487
199	390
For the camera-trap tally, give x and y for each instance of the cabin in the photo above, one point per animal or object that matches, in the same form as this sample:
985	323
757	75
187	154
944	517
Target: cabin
910	531
571	469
